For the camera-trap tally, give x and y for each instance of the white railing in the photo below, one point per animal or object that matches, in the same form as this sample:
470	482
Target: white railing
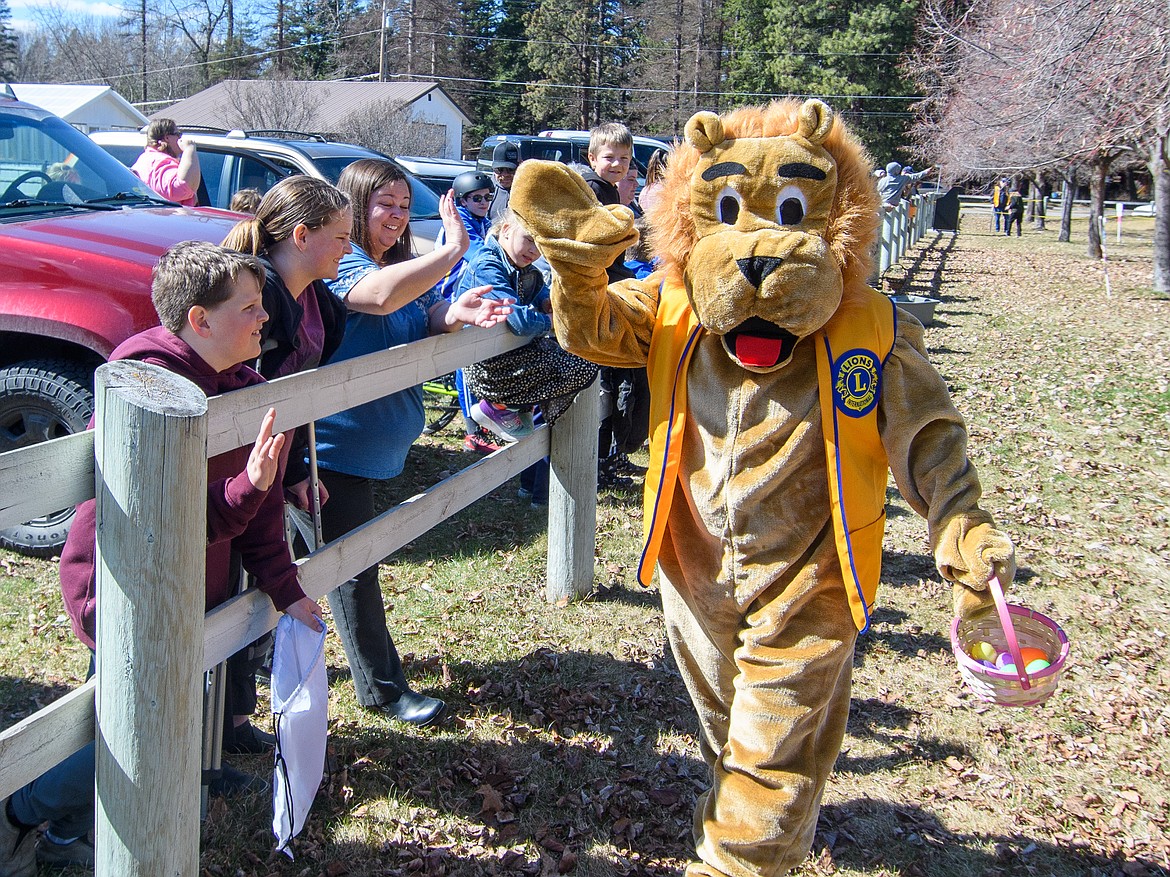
145	461
903	226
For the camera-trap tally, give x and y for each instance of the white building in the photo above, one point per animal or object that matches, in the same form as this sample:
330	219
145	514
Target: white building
315	107
86	107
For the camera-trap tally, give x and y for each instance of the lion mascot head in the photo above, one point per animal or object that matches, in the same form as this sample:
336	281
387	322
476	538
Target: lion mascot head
766	215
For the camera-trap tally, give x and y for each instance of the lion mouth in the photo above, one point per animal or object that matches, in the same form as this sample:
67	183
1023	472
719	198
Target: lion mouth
759	344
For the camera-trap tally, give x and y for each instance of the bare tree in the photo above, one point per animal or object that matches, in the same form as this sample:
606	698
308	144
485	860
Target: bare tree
390	129
1014	85
255	105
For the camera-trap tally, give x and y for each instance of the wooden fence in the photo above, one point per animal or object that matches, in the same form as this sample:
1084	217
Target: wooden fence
145	461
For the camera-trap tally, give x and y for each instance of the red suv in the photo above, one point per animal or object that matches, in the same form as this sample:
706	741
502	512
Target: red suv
79	235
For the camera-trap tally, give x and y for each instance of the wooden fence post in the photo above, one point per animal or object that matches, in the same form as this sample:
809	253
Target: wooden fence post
151	450
572	498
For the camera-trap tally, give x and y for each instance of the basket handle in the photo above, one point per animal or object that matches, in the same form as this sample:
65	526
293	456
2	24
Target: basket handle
1009	630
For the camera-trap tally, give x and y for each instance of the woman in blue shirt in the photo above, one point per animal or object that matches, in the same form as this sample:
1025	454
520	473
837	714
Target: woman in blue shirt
388	294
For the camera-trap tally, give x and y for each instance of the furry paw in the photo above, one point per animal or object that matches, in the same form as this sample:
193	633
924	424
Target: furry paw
970	558
569	224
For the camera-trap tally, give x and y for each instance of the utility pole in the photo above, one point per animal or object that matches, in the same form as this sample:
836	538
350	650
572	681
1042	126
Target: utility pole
382	47
142	26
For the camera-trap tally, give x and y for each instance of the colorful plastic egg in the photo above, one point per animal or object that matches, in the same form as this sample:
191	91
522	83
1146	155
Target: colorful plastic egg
1030	654
983	651
1037	665
1003	659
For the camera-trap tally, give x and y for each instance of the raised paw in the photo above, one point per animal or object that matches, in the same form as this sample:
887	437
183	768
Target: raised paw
565	218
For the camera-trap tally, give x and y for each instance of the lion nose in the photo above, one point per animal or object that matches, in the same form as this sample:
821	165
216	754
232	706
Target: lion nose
757	268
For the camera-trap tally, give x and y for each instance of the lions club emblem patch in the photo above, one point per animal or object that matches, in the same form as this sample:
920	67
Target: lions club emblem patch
856	382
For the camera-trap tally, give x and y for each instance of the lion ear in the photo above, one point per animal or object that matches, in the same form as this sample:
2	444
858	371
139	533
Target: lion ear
704	130
815	121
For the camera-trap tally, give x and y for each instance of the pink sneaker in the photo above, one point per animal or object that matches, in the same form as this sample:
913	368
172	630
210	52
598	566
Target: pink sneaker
480	444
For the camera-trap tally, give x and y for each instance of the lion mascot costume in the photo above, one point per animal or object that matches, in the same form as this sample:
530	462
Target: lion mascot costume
784	390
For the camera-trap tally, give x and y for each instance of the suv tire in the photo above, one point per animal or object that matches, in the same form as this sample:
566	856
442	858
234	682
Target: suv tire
41	400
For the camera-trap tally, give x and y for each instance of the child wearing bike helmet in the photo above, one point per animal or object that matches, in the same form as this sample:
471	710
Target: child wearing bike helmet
473	199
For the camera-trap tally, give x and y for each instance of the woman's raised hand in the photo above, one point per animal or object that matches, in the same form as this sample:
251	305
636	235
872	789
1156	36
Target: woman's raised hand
454	231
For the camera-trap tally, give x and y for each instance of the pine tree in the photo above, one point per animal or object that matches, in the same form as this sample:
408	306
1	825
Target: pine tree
848	52
9	51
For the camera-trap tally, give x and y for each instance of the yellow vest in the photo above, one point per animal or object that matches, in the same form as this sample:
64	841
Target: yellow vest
851	349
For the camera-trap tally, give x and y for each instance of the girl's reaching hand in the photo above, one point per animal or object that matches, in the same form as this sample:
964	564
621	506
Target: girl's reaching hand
475	308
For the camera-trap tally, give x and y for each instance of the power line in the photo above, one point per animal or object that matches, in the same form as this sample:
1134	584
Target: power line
666	50
494	86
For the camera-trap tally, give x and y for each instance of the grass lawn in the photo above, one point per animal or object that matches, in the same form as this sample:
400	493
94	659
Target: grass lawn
571	746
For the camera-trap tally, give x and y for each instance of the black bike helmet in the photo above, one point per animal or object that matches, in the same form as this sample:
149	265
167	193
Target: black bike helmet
472	181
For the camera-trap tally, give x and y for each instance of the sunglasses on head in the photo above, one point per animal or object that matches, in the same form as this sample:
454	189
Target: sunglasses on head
479	199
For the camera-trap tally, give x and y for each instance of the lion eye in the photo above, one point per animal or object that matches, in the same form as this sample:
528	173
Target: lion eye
727	206
790	206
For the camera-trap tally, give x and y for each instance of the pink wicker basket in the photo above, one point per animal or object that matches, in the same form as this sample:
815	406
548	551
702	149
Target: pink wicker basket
1010	629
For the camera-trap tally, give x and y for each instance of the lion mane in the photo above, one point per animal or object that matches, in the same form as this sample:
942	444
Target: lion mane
854	219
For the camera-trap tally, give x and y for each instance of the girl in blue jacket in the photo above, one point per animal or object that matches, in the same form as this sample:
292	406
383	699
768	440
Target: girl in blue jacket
540	373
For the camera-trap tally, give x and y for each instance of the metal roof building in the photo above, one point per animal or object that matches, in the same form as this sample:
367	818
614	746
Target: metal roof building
317	107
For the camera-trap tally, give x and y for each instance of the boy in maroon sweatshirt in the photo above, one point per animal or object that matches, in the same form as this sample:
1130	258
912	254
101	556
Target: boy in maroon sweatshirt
209	302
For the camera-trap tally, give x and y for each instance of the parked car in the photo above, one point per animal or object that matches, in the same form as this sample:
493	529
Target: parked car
644	147
565	146
79	235
234	160
438	173
544	148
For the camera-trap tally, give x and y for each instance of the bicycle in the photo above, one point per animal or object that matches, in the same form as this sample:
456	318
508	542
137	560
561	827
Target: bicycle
441	401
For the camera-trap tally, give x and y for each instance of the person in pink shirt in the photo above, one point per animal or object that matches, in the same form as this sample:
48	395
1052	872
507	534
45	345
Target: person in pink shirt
169	164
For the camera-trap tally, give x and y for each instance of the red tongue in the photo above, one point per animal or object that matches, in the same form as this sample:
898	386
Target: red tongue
757	351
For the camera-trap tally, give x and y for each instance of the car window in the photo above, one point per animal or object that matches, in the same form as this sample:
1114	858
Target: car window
257	175
47	160
211	164
125	154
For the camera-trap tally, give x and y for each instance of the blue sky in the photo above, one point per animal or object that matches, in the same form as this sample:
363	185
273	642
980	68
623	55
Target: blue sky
23	17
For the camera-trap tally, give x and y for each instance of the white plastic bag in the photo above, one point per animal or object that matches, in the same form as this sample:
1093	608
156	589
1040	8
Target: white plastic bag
300	700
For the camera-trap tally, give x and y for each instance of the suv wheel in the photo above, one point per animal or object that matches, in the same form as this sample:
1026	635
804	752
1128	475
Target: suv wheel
42	400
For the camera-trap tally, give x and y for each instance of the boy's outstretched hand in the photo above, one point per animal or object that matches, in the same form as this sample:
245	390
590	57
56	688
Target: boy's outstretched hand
308	612
264	461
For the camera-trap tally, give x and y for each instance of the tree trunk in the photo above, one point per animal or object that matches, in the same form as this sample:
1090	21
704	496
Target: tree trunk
1160	171
1066	206
1043	190
1096	204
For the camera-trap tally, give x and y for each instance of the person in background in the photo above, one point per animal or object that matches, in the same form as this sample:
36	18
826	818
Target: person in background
627	188
999	201
505	160
169	164
625	393
653	185
892	187
1014	212
245	201
390	299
